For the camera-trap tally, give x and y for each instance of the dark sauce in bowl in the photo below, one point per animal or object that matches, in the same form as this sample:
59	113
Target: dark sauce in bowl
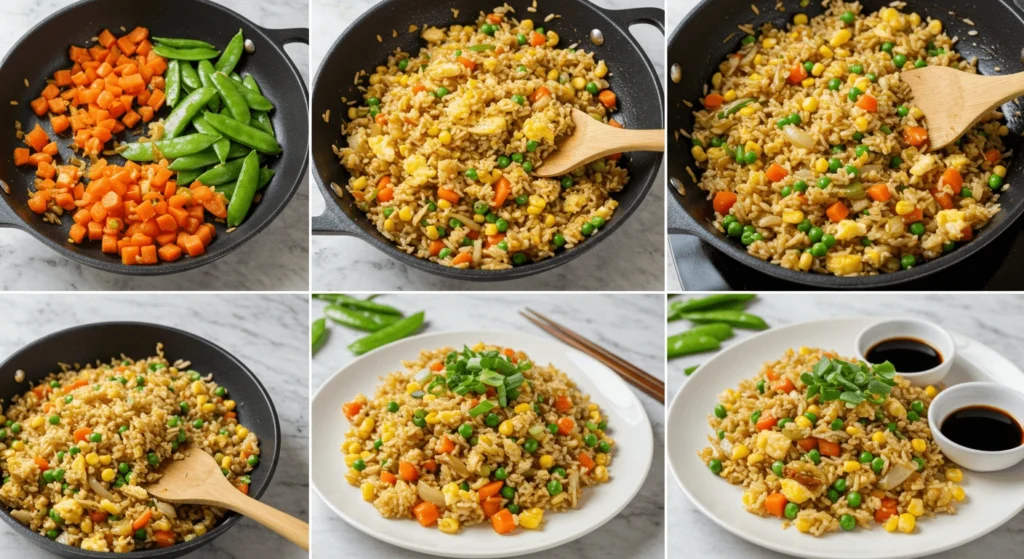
983	428
908	355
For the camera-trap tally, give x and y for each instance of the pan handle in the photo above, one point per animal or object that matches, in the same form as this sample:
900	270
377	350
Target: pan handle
679	221
333	221
7	216
636	16
282	37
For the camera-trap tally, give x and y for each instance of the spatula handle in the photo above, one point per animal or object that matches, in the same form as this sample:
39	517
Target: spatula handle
640	140
287	526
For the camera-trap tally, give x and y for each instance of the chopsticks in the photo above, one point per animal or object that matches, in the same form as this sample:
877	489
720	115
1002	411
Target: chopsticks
630	373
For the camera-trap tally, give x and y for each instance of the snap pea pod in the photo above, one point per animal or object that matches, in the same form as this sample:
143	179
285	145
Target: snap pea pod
317	333
232	97
206	76
252	98
244	134
689	370
232	54
736	319
706	303
366	305
222	174
245	190
187	110
206	158
720	332
260	119
172	83
183	43
186	178
360	320
223	146
394	332
171	149
734	107
682	344
228	189
189	76
172	53
234	76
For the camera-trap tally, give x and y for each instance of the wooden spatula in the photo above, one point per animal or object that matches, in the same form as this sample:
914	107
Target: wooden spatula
952	101
592	140
197	480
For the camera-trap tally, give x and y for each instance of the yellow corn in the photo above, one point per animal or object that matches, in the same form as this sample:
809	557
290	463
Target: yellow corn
853	431
445	137
523	408
109	507
506	428
769	43
241	432
209	408
806	260
18	445
491	229
92	459
480	218
810	104
716	80
1003	130
792	216
903	207
432	233
413	387
202	399
758	59
105	460
433	131
914	19
861	123
387	436
199	387
906	523
226	463
351	459
814	409
956	475
601	459
740	452
369	492
534	210
432	418
916	507
552	74
916	113
405	214
546	461
803	422
958	493
448	525
755	458
730	95
930	391
552	38
803	525
851	466
891	523
840	37
531	518
229	405
601	474
918	445
824	51
354	447
527	24
821	165
862	84
749	110
549	220
818	69
352	113
108	474
389	224
36	422
800	19
1000	170
808	82
878	437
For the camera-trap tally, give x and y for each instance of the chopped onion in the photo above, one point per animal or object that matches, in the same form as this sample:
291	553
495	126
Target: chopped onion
458	465
466	221
853	191
422	375
99	489
798	137
870	169
769	221
536	431
22	516
430	494
895	476
167	509
894	226
478	249
794	432
574	486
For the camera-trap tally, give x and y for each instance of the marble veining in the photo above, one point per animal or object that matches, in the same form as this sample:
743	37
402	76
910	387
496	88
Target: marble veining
993	320
267	332
629	261
275	260
629	325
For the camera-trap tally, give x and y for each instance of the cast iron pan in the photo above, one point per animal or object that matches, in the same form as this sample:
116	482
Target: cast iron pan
44	50
696	45
105	340
632	78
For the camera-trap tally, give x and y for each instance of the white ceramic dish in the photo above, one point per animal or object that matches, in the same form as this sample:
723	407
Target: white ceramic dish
992	498
973	394
931	334
627	421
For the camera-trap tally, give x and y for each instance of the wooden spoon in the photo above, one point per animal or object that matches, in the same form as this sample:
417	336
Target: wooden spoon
591	140
197	480
952	101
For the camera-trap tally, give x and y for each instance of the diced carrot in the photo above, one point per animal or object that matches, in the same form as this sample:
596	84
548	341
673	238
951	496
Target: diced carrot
501	191
914	216
98	516
607	98
953	179
993	155
462	258
21	156
490	489
944	200
445	445
879	192
408	471
539	93
565	425
148	255
828	448
724	201
106	38
784	386
494	18
143	520
42	463
797	74
351	409
388	477
491	505
537	39
713	101
868	103
807	444
436	246
776	172
837	212
776	504
77	233
766	422
466	62
586	461
887	509
37	138
563	403
448	194
426	513
915	135
165	538
60	123
194	246
503	522
39	106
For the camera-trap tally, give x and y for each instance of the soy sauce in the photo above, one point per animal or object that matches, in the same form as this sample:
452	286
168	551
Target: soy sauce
983	428
908	355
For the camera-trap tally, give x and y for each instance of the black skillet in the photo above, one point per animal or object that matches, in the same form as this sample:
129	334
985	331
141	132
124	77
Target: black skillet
697	46
105	340
44	50
633	80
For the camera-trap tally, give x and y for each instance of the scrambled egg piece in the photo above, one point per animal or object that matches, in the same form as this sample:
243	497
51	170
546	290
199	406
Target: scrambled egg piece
417	170
538	127
433	35
775	444
445	70
924	164
953	222
794	491
844	264
849	229
95	543
383	147
69	510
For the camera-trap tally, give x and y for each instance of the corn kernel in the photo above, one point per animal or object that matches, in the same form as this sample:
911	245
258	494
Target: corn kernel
826	52
229	405
792	216
369	492
851	466
914	19
1003	130
716	80
92	458
432	233
105	460
853	431
930	391
445	137
916	113
821	165
405	214
413	387
432	418
448	525
352	113
803	422
903	207
958	493
919	445
549	220
800	19
546	461
878	437
359	183
755	458
389	224
209	408
814	409
810	104
806	260
534	210
601	474
916	507
506	428
491	229
740	452
956	475
242	432
749	110
527	24
531	518
758	59
803	525
601	458
1000	170
861	123
906	523
18	445
108	474
226	463
36	422
840	37
387	436
202	399
730	95
808	82
351	459
199	387
891	523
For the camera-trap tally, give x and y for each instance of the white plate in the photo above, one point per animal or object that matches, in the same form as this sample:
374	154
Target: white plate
628	425
992	498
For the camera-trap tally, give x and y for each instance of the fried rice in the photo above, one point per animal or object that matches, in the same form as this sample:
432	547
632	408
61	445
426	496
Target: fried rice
826	466
442	147
420	449
810	144
76	449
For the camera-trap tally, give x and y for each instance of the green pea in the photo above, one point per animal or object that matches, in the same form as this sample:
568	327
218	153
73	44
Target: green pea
720	434
861	150
837	149
834	84
488	29
755	416
500	474
814	456
253	460
815	234
834	165
749	39
847	522
847	17
804	226
808	65
95	437
791	510
403	64
750	157
531	145
377	444
552	428
887	47
836	424
466	430
153	459
471	174
920	463
854	93
877	464
54	384
917	228
829	240
778	468
823	182
52	534
604	447
899	60
492	420
995	181
812	416
895	162
530	445
800	186
908	261
833	495
720	412
554	487
819	250
592	88
508	492
503	161
558	240
518	258
760	386
917	405
54	420
527	166
920	63
587	229
183	406
419	422
68	399
872	77
949	246
840	485
715	465
393	406
735	229
856	69
567	182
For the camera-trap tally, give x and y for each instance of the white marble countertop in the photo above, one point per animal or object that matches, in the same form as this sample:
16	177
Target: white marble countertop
268	333
991	319
276	260
629	325
629	261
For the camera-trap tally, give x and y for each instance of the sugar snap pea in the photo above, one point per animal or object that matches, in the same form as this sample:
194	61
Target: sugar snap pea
736	319
720	332
206	158
244	134
187	110
183	43
232	97
705	303
222	174
360	320
682	344
394	332
206	71
189	76
172	83
252	98
260	119
171	149
172	53
228	189
245	190
362	304
223	146
232	54
689	370
317	333
186	178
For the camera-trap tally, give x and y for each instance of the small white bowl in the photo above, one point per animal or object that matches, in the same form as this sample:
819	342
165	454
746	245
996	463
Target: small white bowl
973	394
927	332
